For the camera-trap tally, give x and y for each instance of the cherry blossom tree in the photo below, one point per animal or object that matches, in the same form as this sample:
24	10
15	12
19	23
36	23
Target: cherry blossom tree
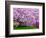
28	16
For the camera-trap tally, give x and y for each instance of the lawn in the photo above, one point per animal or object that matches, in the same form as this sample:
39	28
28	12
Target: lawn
24	27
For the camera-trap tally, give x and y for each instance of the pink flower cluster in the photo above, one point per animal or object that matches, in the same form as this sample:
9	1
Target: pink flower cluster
28	16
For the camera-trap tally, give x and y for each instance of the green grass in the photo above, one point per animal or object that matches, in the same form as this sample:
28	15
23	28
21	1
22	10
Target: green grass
23	27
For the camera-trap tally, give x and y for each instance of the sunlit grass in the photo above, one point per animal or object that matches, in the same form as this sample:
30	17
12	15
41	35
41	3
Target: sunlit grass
24	27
